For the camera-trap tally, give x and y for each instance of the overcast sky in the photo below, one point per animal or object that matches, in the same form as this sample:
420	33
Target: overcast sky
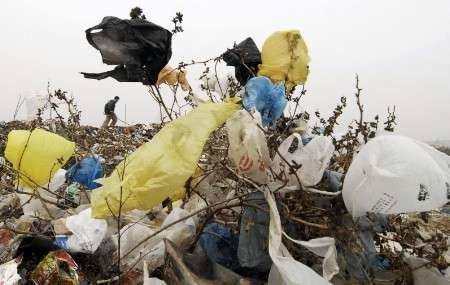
400	49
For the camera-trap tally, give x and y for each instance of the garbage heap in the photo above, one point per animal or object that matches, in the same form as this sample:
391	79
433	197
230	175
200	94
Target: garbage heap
235	191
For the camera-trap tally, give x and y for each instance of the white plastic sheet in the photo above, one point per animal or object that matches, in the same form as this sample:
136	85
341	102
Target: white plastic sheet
395	174
87	233
285	269
8	273
313	158
248	146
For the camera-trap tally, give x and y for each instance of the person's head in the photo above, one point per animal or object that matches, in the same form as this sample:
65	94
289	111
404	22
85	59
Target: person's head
116	98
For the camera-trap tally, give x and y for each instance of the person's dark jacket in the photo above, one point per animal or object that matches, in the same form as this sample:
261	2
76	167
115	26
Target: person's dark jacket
110	106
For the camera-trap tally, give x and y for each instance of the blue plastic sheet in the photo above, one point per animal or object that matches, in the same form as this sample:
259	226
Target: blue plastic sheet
266	98
85	172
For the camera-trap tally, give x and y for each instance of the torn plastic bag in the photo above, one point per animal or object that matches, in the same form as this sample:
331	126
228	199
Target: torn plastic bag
197	268
395	174
132	234
34	104
266	98
254	235
8	273
285	58
57	267
248	148
425	275
87	233
313	159
37	155
220	244
285	269
245	57
139	48
85	172
159	168
173	77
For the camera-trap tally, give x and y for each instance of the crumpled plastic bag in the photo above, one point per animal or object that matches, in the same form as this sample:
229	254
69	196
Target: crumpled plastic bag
132	234
159	169
33	104
425	275
266	98
313	158
285	269
37	155
172	77
139	48
245	57
87	233
248	147
57	267
86	172
394	174
285	58
8	273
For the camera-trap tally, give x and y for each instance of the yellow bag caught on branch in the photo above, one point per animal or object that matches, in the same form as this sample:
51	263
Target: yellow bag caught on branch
160	168
285	58
37	155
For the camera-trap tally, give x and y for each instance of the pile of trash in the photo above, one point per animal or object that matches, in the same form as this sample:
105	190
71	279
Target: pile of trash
235	191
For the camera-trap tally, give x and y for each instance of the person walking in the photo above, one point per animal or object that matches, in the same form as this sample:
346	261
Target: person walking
109	113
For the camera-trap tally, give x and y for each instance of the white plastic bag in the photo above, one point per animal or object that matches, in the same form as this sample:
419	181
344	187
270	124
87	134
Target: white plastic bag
8	273
248	147
33	104
285	269
313	158
87	233
154	248
394	174
425	275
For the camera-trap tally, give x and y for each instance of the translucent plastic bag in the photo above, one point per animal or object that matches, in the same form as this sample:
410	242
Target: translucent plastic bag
266	98
313	158
159	169
248	147
33	104
395	174
285	58
172	77
37	155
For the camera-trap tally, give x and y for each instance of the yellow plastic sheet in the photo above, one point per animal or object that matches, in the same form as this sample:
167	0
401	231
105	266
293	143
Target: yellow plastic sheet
37	155
285	58
160	168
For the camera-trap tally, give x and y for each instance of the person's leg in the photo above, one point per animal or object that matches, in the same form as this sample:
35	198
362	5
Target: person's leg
114	119
106	122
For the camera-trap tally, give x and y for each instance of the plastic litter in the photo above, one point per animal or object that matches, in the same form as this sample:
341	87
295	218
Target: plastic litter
425	275
8	273
334	180
34	104
86	172
254	235
172	77
132	234
285	269
248	148
313	158
57	267
266	98
140	48
395	174
285	58
37	155
243	56
220	244
87	233
160	168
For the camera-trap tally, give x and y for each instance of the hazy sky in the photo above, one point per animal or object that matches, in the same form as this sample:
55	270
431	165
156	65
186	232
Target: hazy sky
400	49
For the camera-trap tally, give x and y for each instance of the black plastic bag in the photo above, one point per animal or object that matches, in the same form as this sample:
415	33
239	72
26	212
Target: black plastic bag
139	48
245	57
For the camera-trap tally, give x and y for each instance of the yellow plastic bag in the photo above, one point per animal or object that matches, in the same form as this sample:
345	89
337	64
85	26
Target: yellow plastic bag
37	155
172	77
285	58
159	169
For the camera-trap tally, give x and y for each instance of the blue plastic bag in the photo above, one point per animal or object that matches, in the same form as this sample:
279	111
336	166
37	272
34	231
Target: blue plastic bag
85	172
266	98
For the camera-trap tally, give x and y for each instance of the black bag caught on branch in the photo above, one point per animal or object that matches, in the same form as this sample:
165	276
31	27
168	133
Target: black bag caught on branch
245	57
139	48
